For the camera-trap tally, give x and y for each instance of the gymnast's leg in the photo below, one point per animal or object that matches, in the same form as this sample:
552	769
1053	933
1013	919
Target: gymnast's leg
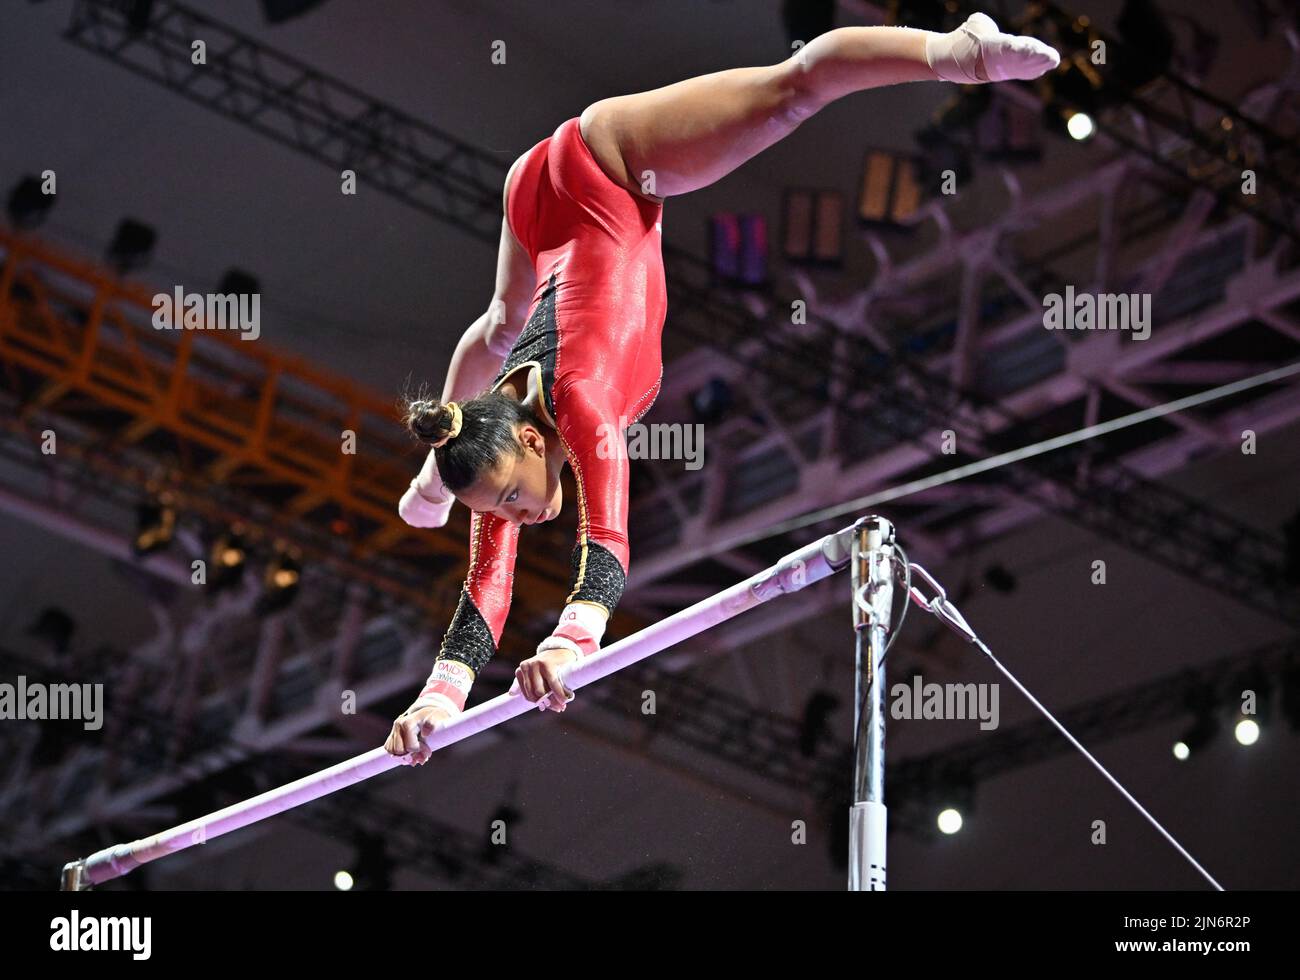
693	132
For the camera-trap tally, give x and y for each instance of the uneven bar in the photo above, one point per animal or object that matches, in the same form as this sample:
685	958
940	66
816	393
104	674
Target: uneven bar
796	570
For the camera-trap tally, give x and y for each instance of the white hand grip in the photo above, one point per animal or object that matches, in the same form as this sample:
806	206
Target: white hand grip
419	512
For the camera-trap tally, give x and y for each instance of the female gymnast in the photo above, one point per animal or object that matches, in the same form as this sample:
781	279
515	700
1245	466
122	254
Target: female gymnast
577	314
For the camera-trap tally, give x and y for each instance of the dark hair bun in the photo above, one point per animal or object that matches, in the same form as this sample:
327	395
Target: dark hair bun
428	419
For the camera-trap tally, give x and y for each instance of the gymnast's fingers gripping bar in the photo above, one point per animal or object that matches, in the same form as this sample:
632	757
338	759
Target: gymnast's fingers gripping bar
800	568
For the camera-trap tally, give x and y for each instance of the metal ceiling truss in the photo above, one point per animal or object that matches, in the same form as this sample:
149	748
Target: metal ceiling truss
308	110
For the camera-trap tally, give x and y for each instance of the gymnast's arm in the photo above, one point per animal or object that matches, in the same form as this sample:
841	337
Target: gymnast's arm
476	626
488	341
589	411
474	364
471	640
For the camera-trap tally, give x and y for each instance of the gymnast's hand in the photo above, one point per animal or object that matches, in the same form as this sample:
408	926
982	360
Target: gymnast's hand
427	501
538	679
409	731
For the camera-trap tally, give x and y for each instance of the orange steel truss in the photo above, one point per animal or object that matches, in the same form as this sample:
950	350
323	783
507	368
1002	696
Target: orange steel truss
217	411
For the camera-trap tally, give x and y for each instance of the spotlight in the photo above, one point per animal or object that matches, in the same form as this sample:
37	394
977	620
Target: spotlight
281	580
1075	89
155	525
343	881
238	282
1247	731
131	247
227	560
956	801
711	402
28	204
1181	751
1080	126
231	553
949	820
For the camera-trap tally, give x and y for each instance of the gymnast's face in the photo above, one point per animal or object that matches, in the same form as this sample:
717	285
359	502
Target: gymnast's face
522	489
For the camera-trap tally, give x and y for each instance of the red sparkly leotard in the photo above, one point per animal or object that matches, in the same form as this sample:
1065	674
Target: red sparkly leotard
593	337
